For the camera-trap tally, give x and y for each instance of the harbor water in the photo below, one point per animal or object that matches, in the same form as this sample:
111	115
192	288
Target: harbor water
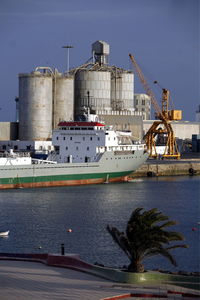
39	219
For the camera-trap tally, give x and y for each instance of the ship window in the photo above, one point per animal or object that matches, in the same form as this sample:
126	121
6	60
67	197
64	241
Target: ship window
57	148
70	138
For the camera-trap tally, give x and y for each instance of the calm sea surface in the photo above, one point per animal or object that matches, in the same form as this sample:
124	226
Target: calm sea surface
38	219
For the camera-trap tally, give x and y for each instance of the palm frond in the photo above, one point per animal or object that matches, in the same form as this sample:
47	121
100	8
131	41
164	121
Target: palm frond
167	224
161	251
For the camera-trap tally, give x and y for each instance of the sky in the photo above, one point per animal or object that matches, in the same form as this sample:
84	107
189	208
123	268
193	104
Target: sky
163	35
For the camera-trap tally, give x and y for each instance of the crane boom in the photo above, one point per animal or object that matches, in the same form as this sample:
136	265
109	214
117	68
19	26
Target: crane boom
146	86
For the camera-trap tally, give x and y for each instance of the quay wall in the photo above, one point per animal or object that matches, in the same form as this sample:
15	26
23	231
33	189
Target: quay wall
158	168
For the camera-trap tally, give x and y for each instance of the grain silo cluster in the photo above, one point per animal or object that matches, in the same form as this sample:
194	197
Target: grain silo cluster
47	97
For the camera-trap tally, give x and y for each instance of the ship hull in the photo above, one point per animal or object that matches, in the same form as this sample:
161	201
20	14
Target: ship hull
110	168
19	184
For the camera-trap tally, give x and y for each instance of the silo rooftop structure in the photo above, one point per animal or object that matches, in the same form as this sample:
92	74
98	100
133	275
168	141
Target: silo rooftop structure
102	87
100	52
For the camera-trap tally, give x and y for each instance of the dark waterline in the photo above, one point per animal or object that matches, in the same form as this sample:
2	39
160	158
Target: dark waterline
38	219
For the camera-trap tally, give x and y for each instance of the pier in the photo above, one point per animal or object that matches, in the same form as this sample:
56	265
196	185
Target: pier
184	166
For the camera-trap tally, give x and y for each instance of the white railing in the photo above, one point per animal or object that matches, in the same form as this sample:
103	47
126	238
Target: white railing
14	154
120	148
41	161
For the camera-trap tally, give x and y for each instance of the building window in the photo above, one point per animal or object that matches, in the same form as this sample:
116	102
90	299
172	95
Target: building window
88	148
64	138
66	148
90	138
83	138
77	148
143	102
98	138
70	138
57	138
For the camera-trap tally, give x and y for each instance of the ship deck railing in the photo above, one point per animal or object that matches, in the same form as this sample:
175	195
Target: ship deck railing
36	161
132	147
14	154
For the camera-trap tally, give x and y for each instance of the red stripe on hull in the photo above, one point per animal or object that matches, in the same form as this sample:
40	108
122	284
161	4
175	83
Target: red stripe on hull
63	183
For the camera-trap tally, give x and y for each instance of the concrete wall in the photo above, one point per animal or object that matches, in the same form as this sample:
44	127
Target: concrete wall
182	129
123	122
8	131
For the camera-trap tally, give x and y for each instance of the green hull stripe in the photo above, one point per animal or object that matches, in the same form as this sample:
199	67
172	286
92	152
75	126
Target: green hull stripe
18	180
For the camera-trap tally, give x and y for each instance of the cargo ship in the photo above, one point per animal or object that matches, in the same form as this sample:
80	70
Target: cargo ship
85	152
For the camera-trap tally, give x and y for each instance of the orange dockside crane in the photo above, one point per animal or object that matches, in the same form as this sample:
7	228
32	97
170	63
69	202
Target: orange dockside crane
163	124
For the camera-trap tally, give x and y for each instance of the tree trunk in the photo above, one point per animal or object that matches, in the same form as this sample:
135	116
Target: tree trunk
136	266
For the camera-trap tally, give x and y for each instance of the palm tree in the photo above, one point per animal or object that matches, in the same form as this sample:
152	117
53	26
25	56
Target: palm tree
146	236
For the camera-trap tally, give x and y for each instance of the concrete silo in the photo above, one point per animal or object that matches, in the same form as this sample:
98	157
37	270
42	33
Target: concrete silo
35	105
98	84
63	98
122	89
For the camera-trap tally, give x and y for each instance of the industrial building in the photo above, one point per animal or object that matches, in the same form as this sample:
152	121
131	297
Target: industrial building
142	104
8	131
